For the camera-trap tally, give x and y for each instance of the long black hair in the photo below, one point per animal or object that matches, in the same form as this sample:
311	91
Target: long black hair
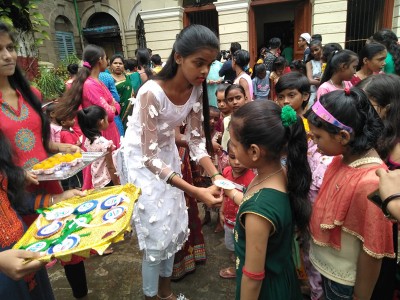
389	39
190	40
335	61
353	110
72	98
89	118
18	82
14	174
260	123
384	90
143	60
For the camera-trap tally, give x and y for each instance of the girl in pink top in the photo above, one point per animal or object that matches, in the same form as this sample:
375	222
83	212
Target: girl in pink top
87	90
340	68
241	59
92	121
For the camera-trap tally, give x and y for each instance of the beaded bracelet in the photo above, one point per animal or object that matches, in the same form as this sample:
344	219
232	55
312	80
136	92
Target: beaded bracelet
385	204
255	276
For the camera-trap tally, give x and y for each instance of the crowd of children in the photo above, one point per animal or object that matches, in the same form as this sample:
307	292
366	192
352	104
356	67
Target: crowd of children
301	146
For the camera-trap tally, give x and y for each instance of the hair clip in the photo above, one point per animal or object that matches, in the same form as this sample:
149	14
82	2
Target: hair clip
288	116
87	65
347	91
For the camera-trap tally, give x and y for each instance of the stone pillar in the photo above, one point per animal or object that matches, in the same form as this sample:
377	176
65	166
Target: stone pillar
329	19
396	17
233	19
161	27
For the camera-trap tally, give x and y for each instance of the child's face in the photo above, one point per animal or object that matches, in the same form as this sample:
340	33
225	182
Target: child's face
293	98
235	99
68	123
329	144
262	74
237	168
195	67
222	106
241	154
377	62
349	70
103	124
279	71
316	51
214	118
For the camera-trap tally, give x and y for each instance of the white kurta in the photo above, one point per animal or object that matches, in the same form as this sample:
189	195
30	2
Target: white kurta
147	158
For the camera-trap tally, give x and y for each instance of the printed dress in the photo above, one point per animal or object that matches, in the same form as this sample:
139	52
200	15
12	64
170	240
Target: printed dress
147	158
280	280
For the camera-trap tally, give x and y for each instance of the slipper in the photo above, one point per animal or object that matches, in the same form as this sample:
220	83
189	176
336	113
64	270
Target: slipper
108	251
227	273
218	228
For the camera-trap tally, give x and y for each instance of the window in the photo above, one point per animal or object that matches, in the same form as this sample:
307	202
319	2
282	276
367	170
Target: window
364	18
65	43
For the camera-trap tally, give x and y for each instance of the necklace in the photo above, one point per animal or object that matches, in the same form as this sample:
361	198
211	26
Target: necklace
262	180
341	85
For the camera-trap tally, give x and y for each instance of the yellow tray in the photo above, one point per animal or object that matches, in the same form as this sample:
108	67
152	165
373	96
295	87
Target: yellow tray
101	235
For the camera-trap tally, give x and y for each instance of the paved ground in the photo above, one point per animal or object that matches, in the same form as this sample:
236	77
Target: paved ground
118	276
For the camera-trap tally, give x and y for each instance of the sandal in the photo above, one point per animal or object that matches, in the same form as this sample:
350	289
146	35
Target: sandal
108	251
227	273
178	297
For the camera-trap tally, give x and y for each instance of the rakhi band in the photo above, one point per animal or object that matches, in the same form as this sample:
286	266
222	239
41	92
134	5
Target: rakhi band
87	65
325	115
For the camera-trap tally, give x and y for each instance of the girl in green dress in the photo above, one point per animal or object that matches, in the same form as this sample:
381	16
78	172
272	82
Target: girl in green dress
274	203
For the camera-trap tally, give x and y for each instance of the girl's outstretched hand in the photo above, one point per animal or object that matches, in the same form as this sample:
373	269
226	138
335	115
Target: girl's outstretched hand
68	194
212	196
30	178
12	263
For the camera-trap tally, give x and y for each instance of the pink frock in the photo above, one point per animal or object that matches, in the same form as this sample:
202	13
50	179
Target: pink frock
96	93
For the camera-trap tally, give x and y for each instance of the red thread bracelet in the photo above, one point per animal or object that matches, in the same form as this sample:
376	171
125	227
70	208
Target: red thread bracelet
255	276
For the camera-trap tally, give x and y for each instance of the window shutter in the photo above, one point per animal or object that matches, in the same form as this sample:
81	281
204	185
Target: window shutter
65	44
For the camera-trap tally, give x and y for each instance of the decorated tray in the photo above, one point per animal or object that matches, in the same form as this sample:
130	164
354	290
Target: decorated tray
62	166
80	224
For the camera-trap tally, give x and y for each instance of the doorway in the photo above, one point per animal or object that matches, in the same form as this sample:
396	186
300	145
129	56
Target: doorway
281	18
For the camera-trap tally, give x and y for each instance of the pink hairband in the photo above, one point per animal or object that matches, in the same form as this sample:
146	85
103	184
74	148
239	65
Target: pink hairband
321	112
87	65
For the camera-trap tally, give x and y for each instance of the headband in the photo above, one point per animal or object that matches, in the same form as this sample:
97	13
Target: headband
87	65
321	112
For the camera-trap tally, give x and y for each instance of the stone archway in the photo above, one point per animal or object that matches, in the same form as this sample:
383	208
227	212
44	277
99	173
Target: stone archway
64	31
102	29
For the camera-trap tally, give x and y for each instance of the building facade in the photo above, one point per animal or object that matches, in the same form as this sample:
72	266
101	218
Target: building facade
121	26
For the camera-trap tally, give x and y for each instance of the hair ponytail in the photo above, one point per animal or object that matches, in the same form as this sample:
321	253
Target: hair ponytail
206	119
260	123
88	119
72	98
298	174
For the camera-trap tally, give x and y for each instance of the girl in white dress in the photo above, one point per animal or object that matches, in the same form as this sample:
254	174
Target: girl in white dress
149	157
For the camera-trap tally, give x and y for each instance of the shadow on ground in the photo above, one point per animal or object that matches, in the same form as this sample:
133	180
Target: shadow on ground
118	276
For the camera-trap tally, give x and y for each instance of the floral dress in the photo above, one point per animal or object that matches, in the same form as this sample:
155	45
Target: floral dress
147	158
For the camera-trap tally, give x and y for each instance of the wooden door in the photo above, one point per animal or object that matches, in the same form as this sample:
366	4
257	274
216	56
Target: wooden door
302	23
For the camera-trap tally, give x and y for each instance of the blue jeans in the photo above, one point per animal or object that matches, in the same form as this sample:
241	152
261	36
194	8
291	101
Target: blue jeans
336	291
